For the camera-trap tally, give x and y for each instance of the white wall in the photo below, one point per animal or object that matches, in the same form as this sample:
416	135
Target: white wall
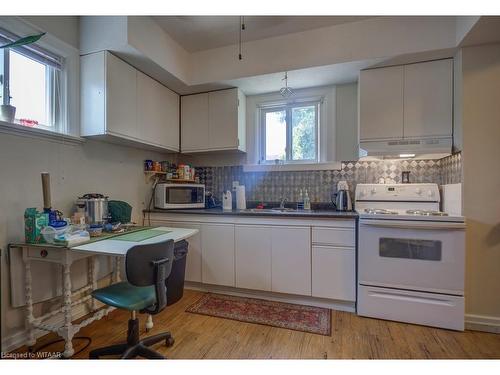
379	37
481	181
346	122
62	27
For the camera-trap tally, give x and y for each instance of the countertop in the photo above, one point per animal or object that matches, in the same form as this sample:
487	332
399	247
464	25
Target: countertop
303	213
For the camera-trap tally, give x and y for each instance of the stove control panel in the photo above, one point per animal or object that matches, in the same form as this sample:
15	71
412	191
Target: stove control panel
398	192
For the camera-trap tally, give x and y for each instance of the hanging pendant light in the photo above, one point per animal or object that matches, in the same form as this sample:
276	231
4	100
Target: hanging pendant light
242	28
286	91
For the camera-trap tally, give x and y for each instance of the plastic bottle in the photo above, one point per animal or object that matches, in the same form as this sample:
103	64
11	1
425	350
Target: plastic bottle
300	202
307	201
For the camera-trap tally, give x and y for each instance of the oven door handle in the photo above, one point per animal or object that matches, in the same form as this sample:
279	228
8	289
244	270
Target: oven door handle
409	224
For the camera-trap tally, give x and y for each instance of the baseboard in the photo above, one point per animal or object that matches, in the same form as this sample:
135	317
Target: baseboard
281	297
482	323
19	338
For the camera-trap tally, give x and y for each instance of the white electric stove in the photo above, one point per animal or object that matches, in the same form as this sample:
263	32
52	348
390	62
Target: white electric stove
411	256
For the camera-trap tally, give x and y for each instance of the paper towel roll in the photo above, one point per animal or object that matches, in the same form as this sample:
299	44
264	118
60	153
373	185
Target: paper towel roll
241	202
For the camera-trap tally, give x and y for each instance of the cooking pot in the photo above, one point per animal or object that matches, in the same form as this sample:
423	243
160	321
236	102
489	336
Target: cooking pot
95	206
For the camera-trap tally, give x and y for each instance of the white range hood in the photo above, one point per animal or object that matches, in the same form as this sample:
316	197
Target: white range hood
406	147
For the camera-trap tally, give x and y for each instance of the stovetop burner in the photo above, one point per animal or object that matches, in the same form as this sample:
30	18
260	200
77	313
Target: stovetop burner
379	211
426	213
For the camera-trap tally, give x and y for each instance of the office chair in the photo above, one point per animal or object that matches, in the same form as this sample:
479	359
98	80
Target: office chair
147	267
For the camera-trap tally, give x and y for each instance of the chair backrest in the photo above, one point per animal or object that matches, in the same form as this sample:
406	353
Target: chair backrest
139	262
151	264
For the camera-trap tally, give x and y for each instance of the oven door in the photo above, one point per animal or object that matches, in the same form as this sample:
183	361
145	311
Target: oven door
413	255
184	196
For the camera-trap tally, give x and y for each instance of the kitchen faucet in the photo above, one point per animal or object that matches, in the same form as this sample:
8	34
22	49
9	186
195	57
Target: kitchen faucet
282	202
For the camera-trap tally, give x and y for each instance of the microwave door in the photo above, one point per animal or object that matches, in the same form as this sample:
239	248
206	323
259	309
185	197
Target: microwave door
179	195
183	196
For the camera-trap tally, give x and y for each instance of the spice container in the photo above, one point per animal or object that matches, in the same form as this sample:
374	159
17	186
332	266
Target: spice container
180	172
148	165
187	172
165	166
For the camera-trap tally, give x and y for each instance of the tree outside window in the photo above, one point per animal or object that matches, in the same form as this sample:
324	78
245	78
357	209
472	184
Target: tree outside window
290	133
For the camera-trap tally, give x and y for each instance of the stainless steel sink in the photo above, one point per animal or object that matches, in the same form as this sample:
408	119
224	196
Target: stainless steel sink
285	209
269	210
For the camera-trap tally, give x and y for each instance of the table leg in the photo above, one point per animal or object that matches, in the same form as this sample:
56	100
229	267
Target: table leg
116	273
29	303
67	329
92	279
149	323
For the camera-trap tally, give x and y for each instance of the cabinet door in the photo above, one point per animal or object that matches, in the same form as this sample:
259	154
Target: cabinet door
381	103
121	97
291	260
157	113
223	119
194	122
171	117
218	254
428	99
334	273
253	257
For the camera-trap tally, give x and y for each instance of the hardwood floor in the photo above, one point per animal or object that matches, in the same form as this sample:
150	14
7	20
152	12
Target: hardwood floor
198	337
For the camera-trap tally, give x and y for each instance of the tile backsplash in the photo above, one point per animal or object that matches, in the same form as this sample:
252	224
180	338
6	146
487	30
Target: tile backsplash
271	186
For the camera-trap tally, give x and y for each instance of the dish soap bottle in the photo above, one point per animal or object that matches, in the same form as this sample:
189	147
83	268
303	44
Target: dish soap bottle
307	201
300	202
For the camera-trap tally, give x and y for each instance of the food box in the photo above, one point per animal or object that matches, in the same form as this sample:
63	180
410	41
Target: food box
34	221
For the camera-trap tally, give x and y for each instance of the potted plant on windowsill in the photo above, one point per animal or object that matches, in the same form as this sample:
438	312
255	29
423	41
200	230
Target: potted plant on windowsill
7	111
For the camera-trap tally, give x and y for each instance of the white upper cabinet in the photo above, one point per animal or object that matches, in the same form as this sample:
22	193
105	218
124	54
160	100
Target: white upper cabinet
121	98
428	99
157	113
381	103
408	101
213	121
120	103
194	122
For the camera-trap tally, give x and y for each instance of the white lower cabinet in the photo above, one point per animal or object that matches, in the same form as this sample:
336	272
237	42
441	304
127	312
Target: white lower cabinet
291	260
306	258
218	254
333	272
253	257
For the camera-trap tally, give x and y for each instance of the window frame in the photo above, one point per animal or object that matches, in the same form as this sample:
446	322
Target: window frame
288	107
69	111
54	109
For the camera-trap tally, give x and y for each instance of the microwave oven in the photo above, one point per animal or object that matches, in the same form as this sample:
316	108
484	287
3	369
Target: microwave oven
179	196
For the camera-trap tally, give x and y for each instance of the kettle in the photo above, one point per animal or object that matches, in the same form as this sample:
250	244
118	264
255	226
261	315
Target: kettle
342	199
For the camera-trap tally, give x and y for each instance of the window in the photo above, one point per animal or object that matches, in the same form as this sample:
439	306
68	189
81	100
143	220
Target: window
290	133
32	82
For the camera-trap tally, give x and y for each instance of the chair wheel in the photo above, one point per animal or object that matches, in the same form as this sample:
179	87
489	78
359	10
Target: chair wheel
169	341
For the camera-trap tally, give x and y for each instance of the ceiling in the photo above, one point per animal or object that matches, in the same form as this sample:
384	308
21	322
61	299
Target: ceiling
302	78
197	33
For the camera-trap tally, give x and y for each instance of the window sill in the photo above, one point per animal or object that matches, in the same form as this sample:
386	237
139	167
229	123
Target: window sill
292	167
24	131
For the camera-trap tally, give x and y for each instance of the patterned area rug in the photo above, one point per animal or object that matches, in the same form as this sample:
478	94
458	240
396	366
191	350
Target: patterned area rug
277	314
